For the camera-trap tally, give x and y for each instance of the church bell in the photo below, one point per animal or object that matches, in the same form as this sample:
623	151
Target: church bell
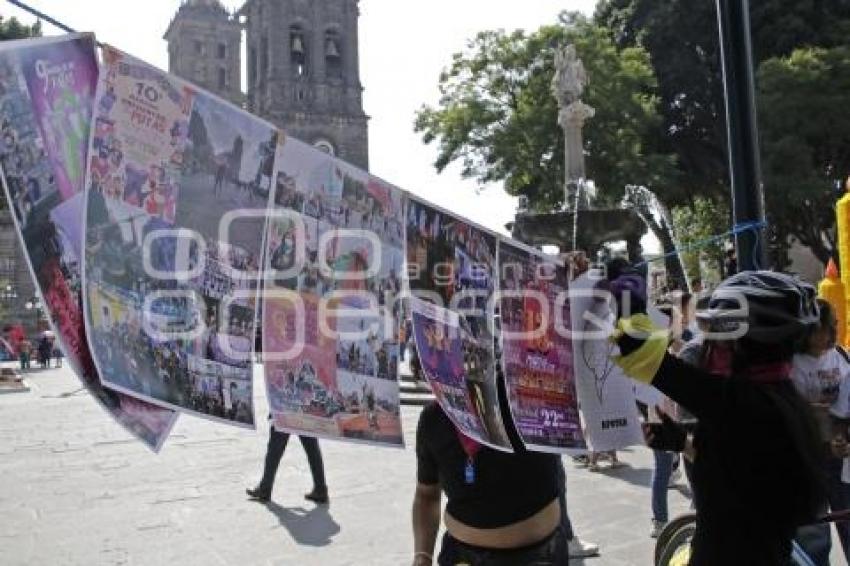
331	48
297	45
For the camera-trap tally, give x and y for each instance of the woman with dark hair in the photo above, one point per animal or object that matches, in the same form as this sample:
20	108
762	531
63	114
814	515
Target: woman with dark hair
757	454
819	370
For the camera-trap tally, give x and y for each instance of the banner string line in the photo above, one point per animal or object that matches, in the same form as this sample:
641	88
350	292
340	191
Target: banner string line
737	229
42	16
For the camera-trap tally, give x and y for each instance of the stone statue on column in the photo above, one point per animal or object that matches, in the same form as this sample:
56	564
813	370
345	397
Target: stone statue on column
581	224
567	87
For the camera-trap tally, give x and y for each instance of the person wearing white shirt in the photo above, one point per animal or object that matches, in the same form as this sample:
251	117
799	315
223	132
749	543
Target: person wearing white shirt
821	373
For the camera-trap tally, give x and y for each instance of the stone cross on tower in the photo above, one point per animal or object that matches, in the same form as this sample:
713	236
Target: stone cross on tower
567	87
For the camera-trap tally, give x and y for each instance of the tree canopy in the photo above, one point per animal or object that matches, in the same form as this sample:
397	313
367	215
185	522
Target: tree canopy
656	84
498	118
805	141
11	28
682	39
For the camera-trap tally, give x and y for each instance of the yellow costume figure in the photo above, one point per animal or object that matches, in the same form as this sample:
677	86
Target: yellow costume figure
842	213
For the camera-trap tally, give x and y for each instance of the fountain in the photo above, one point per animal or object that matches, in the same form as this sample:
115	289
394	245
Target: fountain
580	225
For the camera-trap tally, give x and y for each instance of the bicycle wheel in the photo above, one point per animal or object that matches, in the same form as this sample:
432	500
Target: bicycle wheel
676	535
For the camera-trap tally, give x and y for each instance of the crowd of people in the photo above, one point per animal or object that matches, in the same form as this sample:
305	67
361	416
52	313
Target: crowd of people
42	349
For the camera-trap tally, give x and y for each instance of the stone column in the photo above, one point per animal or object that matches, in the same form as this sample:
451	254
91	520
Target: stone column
572	119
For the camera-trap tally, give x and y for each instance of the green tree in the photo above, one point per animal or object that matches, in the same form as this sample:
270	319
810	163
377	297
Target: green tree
695	225
11	28
498	118
681	37
805	141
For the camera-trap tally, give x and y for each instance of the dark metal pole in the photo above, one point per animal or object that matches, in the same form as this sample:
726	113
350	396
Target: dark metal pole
733	17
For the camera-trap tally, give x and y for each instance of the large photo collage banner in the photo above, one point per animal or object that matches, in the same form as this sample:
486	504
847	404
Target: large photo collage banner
47	91
453	276
165	227
331	314
172	264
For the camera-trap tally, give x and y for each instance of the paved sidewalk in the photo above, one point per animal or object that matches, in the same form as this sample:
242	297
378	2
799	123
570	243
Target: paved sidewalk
76	489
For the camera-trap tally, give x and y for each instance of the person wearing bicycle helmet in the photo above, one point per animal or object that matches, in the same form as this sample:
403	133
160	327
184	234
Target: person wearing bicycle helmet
757	471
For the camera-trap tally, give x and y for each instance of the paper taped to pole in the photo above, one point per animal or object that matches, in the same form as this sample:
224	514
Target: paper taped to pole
47	89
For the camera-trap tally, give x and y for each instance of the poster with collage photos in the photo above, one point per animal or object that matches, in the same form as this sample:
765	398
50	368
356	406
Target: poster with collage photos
452	267
332	299
178	185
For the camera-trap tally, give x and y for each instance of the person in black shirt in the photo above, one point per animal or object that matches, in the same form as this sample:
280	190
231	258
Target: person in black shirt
756	448
503	512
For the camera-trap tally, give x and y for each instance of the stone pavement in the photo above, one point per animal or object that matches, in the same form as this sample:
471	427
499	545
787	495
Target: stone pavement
76	489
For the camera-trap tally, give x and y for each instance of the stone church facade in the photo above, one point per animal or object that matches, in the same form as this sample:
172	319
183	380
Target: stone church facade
302	66
205	47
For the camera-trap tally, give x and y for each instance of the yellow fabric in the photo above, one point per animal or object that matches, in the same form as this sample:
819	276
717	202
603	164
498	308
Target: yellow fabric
643	363
842	217
682	557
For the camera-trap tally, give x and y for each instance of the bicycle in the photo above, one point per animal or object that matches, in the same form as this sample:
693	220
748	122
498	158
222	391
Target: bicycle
673	545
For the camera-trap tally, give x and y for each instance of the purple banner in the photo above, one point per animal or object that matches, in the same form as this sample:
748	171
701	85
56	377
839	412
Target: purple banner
61	83
537	351
447	362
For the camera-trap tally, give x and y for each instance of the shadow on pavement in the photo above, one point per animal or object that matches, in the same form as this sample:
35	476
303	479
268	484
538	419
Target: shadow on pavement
311	527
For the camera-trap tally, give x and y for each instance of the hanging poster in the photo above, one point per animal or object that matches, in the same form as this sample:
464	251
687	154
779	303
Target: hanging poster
606	396
451	264
178	187
439	345
47	91
330	307
537	353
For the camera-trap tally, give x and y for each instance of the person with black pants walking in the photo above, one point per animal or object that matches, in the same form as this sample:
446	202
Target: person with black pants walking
274	452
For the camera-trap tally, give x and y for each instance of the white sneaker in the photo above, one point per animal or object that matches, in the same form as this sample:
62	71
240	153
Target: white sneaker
657	527
675	477
581	549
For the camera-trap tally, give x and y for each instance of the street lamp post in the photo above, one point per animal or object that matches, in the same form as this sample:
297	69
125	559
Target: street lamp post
8	293
736	50
34	305
8	296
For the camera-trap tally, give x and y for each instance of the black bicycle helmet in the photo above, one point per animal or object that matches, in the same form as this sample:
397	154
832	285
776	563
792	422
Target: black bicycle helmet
776	307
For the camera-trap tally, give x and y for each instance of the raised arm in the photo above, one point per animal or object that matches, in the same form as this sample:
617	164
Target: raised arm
644	357
701	393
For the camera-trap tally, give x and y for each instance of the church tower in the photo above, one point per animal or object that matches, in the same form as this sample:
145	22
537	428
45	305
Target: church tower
303	72
204	47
